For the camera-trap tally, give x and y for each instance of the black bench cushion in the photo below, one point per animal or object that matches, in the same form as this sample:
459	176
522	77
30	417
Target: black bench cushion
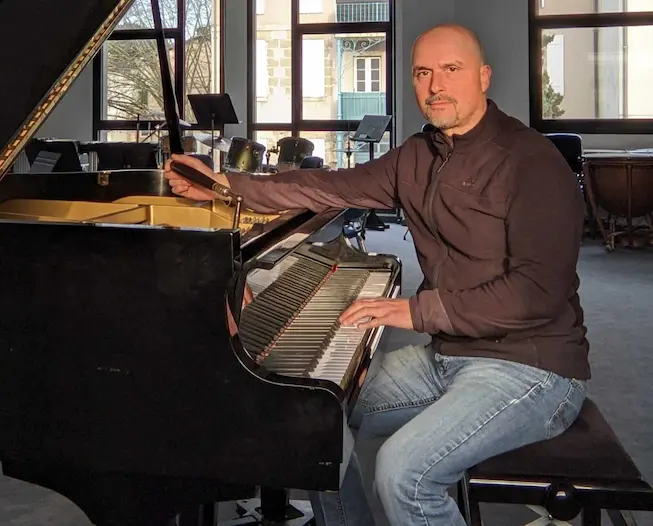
588	450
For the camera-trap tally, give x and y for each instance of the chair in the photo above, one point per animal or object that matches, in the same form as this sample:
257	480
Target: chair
354	226
570	145
582	471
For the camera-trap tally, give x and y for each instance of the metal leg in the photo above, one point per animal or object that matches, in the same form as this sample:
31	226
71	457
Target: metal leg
463	500
621	518
590	517
273	508
472	509
361	243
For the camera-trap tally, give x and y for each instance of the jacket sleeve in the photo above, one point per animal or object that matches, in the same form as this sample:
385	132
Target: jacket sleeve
370	185
544	225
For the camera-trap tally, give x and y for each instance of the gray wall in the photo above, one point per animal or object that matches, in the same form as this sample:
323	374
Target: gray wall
501	24
73	116
235	63
413	17
490	19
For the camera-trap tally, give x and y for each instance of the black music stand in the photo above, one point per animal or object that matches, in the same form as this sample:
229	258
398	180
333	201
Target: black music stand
213	110
370	131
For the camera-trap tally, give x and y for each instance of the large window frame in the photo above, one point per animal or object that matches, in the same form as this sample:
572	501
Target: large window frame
177	35
299	30
537	24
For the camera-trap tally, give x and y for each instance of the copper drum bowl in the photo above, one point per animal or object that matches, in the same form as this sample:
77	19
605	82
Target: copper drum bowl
293	150
623	187
244	155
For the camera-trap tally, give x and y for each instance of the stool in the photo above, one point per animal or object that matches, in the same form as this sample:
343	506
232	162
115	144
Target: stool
582	471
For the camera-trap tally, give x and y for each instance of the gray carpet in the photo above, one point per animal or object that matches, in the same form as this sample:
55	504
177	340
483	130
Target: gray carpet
615	292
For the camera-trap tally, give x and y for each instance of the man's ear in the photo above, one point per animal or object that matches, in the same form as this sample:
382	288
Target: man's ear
486	76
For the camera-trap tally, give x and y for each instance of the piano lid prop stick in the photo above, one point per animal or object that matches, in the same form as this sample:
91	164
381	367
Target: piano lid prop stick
224	192
169	100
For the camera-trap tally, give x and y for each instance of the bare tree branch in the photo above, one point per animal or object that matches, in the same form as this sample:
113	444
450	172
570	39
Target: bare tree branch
133	71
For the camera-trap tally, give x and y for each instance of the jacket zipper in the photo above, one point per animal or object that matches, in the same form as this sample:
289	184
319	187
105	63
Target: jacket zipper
429	205
434	186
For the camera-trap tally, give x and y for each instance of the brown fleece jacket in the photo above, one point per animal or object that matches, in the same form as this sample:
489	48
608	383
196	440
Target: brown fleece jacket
496	216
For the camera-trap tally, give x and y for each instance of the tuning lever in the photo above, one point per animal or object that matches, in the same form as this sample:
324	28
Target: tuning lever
224	192
198	178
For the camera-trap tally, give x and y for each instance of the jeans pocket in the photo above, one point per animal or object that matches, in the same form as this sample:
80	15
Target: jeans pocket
567	411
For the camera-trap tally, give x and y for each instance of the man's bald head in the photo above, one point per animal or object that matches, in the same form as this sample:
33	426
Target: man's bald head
450	77
457	31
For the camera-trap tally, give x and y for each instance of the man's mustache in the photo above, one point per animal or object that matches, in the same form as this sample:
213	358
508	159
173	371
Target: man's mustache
440	98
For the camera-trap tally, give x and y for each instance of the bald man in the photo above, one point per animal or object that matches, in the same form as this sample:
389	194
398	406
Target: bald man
496	217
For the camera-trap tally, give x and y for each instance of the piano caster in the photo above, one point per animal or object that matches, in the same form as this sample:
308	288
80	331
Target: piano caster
273	508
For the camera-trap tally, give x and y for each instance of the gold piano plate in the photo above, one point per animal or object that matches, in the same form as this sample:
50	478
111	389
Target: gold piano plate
148	210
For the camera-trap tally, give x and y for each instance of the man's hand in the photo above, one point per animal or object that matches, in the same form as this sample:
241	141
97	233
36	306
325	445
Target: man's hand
367	314
248	297
185	188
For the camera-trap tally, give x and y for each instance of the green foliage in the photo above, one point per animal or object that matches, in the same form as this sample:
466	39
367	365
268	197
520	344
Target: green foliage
551	99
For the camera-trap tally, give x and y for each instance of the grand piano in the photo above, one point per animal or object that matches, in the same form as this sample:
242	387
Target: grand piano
123	385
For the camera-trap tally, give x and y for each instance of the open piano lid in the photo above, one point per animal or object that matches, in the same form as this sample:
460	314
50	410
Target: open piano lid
44	46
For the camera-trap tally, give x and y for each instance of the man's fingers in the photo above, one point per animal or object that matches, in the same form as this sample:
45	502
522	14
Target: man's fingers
357	305
369	311
373	323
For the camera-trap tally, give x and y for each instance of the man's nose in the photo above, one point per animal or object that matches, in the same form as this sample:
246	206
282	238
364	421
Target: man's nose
437	83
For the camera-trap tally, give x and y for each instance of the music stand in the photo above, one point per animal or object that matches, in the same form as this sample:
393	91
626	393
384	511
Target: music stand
370	131
213	110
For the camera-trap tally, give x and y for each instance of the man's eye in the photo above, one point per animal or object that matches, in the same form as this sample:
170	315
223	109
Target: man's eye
452	69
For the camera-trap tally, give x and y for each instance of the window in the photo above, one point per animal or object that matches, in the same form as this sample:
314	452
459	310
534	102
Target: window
262	77
554	62
310	6
313	68
590	66
260	7
344	11
128	76
328	65
368	74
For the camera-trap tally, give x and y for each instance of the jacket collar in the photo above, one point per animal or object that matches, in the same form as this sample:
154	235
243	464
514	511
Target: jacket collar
485	130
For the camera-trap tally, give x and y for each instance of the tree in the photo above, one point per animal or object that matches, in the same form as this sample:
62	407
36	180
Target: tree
133	72
551	99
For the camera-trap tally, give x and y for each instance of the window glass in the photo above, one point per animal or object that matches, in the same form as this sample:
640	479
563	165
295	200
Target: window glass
597	73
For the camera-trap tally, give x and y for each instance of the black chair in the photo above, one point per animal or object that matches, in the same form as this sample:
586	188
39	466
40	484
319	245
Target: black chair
570	145
581	472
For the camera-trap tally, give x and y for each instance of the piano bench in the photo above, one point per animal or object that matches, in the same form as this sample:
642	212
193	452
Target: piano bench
582	471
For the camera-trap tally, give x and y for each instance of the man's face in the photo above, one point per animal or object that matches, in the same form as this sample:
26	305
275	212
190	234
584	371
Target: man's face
450	80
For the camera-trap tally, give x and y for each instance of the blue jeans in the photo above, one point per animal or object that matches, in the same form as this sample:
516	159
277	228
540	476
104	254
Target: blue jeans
443	414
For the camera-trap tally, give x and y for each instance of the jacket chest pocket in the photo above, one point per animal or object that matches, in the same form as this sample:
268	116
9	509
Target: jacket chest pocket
471	223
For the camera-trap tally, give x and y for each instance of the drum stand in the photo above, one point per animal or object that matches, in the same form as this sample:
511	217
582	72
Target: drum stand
213	110
370	131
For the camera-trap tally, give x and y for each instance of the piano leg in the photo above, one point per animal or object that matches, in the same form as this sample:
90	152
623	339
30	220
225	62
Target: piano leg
272	508
202	515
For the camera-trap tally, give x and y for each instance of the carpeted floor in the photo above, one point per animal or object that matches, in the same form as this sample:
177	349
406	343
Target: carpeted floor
616	292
